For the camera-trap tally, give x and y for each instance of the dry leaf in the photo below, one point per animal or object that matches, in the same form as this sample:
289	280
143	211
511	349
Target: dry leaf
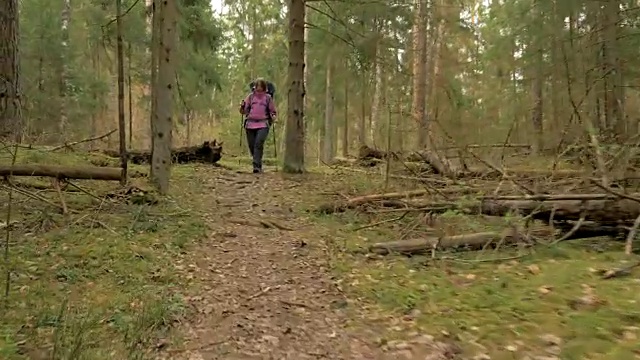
550	339
534	269
545	289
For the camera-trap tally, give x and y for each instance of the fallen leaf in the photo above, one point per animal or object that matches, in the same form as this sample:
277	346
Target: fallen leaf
534	269
629	336
550	339
545	289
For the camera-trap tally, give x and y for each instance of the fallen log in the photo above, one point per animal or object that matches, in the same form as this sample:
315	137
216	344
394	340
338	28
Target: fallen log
360	200
603	212
440	164
475	241
208	152
63	172
471	241
604	209
609	211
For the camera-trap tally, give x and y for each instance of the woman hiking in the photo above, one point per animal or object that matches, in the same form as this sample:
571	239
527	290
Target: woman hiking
260	112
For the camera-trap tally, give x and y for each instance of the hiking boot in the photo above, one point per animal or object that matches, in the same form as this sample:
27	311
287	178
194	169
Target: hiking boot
257	171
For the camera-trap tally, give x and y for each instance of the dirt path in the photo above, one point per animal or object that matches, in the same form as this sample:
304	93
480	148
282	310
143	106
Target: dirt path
268	292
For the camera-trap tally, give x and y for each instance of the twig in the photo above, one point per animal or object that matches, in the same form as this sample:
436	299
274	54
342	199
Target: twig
69	145
628	246
263	291
294	303
56	185
573	230
382	222
269	224
620	272
83	190
31	195
613	192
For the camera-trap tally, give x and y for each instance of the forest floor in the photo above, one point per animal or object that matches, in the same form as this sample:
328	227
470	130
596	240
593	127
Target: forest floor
237	266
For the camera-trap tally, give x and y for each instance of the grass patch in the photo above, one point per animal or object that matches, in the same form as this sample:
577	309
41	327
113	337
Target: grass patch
104	283
506	303
501	308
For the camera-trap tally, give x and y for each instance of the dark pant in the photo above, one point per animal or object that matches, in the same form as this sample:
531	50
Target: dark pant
256	139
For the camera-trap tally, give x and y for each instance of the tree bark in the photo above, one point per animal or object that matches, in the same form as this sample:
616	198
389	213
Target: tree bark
163	117
537	84
65	19
130	97
10	92
362	128
121	120
155	50
419	72
376	103
614	96
294	148
327	151
345	128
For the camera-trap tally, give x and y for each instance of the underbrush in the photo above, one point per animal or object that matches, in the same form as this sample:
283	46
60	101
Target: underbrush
101	282
507	303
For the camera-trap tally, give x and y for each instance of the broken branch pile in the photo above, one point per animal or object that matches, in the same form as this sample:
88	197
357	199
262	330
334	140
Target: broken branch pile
208	152
576	215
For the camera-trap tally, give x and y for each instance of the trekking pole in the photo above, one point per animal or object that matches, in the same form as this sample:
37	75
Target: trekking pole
241	128
275	146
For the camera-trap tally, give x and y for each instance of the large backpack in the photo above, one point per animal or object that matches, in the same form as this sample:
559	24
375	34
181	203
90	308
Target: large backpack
271	89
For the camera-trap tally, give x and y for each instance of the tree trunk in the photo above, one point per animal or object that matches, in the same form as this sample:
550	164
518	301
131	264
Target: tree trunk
95	65
419	72
345	128
121	119
362	129
433	74
129	85
10	95
614	97
556	125
155	50
294	149
327	151
376	104
537	84
163	114
65	18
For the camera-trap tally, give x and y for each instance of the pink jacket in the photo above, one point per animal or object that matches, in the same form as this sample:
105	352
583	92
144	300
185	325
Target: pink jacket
259	106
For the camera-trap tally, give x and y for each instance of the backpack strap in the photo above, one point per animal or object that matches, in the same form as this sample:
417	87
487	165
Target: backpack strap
266	107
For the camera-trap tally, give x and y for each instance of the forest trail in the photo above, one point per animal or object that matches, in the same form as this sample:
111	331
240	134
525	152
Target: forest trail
268	293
